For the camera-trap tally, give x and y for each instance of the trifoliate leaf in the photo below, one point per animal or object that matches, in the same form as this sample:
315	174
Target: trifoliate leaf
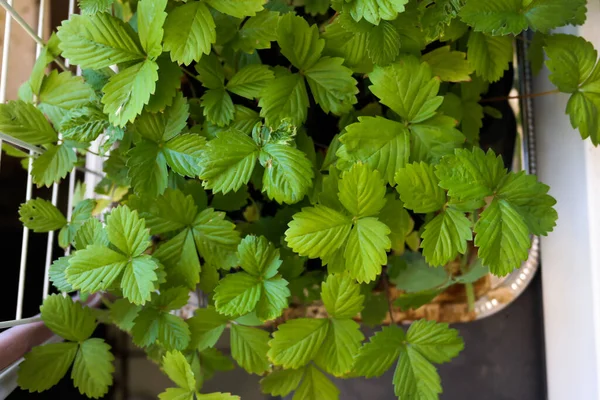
299	41
434	138
178	370
376	10
366	249
25	122
180	259
316	386
93	368
445	236
378	355
237	294
62	92
411	273
123	313
297	341
489	55
288	173
257	32
284	97
41	215
258	256
173	211
145	327
127	92
250	81
147	169
218	106
210	72
332	85
249	347
470	175
173	332
281	382
83	124
216	238
68	319
237	8
341	296
151	16
95	268
139	278
81	214
408	87
127	231
503	17
184	154
362	191
382	144
571	60
583	112
318	231
228	161
53	165
273	298
90	7
435	341
167	85
83	40
530	198
163	126
206	327
415	376
341	345
419	188
189	32
172	299
502	237
350	46
44	366
383	43
450	66
58	276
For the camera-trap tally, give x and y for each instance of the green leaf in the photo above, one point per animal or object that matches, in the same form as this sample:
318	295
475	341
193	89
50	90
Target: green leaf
412	93
250	81
163	126
174	211
299	41
317	231
145	327
288	173
362	191
434	138
450	66
95	268
258	256
83	40
206	327
218	106
179	257
249	348
237	294
435	341
228	161
216	238
151	16
489	55
415	377
284	97
25	122
297	341
53	165
376	10
395	216
237	8
82	213
502	237
530	198
139	279
216	396
167	85
90	7
316	386
231	201
445	236
571	60
257	32
583	112
173	332
470	175
411	273
341	296
184	154
127	231
383	43
68	319
504	17
412	301
44	366
147	169
127	92
172	299
189	32
123	314
93	368
210	72
419	188
62	92
366	249
41	215
340	347
176	394
273	299
178	370
380	143
58	276
332	85
378	355
83	124
351	46
281	382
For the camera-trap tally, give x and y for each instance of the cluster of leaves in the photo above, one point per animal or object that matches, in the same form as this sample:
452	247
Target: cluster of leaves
232	180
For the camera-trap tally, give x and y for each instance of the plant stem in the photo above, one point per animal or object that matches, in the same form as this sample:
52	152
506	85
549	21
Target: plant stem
469	290
386	286
185	71
525	96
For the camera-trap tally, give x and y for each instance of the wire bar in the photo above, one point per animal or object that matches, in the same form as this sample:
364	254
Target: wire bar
22	321
24	245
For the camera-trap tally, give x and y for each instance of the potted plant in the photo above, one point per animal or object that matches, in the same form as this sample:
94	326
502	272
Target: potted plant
277	156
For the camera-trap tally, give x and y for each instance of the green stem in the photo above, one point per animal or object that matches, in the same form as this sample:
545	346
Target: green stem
185	71
469	289
386	286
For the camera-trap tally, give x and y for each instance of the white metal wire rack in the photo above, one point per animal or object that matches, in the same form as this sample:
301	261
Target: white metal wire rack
17	44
